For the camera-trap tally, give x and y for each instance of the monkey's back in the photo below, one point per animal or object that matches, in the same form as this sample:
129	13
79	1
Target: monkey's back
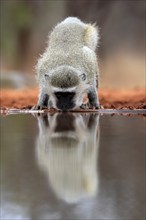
71	42
67	33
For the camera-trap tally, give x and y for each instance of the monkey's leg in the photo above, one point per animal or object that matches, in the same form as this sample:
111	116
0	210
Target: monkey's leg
93	98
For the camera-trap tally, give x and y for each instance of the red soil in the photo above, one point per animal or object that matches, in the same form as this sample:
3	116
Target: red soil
115	99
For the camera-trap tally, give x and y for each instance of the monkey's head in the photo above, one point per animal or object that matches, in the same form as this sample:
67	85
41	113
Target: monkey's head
66	87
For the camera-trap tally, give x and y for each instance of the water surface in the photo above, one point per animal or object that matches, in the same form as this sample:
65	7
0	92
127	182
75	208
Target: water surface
72	166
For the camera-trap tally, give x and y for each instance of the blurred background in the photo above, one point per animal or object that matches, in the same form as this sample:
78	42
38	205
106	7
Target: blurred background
25	25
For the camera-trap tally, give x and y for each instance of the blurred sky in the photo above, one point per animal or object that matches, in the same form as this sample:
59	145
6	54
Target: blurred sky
25	25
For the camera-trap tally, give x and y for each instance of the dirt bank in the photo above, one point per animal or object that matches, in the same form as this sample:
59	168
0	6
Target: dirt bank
115	99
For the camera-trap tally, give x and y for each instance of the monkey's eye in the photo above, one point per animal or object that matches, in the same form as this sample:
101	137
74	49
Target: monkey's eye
83	76
46	76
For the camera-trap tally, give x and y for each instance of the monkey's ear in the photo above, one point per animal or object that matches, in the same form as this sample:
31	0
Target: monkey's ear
83	76
47	77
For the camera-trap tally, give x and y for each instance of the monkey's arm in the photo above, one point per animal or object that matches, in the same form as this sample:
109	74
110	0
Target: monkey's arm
43	101
93	97
93	100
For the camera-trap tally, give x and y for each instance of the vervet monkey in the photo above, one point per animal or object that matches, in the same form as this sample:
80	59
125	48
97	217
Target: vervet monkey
68	68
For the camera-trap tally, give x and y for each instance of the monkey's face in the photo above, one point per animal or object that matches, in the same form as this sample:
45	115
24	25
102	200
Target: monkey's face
66	87
65	100
69	99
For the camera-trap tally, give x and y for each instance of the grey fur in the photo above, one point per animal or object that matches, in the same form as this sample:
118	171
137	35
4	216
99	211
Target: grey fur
70	54
93	99
65	78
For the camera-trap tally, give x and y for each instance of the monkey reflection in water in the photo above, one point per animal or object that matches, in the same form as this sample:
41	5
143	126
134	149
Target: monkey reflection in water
66	149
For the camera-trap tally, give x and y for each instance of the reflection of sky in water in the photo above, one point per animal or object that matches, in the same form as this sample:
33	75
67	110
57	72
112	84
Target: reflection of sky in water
13	211
44	178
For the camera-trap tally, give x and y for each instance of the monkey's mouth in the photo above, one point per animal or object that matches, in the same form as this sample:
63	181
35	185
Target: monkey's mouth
66	107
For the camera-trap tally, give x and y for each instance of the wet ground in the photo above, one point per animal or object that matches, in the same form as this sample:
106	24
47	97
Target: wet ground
72	166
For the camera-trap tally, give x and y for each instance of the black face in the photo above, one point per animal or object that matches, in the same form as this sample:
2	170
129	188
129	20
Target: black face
65	100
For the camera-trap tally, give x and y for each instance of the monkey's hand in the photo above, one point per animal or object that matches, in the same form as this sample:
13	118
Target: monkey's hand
89	106
39	107
96	106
